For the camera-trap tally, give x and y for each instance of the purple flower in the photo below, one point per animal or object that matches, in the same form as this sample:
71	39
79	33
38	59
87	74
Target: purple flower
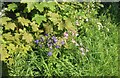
36	41
54	39
49	54
46	34
49	44
57	46
62	42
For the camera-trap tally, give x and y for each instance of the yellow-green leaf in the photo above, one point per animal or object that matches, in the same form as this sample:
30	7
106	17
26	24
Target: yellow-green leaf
4	20
10	26
27	37
34	26
4	54
24	21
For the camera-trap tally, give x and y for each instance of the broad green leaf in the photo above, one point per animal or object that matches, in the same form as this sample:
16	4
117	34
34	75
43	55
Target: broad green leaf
69	26
51	5
39	18
54	17
11	61
34	26
24	21
48	28
4	54
8	36
12	6
27	37
61	26
11	47
10	26
30	6
4	20
39	7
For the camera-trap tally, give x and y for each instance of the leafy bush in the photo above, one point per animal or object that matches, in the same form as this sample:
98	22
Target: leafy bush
58	39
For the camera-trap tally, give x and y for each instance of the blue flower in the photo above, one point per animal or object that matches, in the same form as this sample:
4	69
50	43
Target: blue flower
46	34
62	42
36	41
49	54
54	39
57	46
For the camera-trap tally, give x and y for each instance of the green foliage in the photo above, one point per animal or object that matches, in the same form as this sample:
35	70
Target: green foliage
84	42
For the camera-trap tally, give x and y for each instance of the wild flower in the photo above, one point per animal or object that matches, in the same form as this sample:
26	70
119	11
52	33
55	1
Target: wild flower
66	35
57	46
76	22
36	41
54	39
62	42
49	54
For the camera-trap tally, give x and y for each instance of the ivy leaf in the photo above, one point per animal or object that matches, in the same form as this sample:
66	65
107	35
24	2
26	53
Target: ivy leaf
39	7
24	21
61	26
8	36
27	37
10	26
69	25
48	28
54	17
39	18
12	7
30	6
34	26
4	20
11	47
51	5
4	54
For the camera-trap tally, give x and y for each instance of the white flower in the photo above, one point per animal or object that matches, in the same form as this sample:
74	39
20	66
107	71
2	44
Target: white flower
83	53
77	44
87	50
82	49
87	19
73	41
5	8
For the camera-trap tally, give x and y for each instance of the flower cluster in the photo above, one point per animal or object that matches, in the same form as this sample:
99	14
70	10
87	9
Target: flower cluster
50	42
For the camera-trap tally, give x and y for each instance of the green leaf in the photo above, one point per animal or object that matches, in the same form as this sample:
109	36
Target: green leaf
48	28
27	37
54	17
61	26
12	7
4	54
8	36
39	7
24	21
34	26
69	26
51	5
4	20
11	47
30	6
39	18
10	26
